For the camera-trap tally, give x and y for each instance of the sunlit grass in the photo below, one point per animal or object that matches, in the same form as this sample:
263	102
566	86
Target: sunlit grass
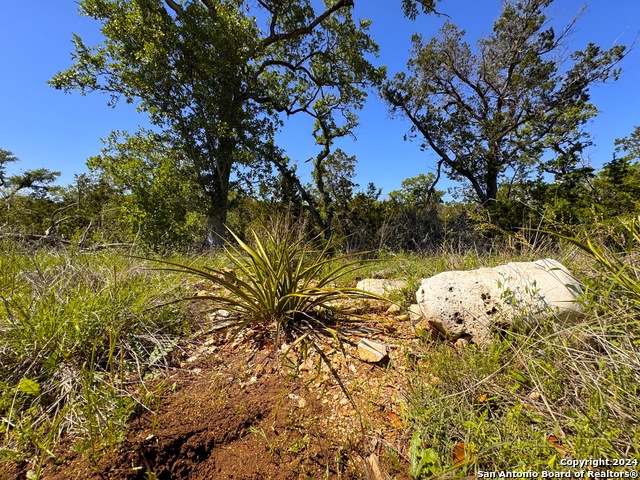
75	330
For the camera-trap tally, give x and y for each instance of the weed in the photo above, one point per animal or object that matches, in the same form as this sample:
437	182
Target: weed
76	329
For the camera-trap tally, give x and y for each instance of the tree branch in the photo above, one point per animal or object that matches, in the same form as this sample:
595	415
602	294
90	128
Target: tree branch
177	8
298	32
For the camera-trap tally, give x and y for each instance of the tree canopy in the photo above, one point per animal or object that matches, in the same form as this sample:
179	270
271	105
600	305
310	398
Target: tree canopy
218	77
513	103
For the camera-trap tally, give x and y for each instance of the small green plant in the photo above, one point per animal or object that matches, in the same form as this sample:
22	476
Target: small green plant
75	328
424	462
259	432
281	281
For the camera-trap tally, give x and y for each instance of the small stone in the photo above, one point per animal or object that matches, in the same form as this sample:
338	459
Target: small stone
534	396
380	287
298	399
373	468
371	351
415	315
393	309
461	343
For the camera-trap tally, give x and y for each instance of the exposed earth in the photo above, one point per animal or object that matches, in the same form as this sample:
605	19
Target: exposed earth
240	409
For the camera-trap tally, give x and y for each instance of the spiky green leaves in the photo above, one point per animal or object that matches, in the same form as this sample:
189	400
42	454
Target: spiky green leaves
280	279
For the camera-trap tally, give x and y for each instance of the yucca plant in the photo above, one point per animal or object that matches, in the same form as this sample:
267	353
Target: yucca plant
281	281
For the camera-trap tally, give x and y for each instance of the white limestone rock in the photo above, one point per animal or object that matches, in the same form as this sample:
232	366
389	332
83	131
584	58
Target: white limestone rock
470	303
380	286
372	351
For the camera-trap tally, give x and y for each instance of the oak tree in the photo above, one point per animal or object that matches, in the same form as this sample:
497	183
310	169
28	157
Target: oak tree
217	77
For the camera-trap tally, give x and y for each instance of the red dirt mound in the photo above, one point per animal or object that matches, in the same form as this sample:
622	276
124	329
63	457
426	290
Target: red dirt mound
235	412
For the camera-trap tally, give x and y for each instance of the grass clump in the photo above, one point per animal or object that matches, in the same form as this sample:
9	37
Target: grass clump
562	390
76	331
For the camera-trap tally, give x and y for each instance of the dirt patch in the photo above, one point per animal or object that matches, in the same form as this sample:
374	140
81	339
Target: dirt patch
239	410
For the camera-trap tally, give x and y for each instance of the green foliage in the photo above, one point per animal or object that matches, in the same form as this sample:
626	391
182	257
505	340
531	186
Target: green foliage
493	113
281	281
37	181
423	462
216	77
161	202
411	7
75	329
413	213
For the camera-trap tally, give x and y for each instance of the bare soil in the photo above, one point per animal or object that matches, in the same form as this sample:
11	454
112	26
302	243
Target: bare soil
243	410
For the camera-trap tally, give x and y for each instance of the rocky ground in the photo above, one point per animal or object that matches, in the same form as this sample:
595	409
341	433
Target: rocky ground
240	409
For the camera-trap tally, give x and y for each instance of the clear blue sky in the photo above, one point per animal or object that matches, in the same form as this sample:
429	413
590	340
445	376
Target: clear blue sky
47	128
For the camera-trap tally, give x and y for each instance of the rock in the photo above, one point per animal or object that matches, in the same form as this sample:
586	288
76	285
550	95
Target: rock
394	309
380	286
471	303
373	471
534	396
301	402
371	351
221	319
415	315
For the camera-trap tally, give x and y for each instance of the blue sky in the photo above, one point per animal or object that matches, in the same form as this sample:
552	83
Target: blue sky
47	128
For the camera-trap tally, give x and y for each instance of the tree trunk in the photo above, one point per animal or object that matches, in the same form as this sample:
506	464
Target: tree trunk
215	233
218	194
491	192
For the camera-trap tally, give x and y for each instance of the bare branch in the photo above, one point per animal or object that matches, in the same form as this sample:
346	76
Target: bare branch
298	32
175	7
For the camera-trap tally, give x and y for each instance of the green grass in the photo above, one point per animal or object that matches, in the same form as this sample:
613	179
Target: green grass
81	334
562	390
78	331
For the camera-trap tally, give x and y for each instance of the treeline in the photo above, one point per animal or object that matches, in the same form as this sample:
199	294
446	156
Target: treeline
162	213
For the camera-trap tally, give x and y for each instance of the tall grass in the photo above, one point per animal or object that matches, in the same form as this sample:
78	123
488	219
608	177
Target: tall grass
76	330
563	390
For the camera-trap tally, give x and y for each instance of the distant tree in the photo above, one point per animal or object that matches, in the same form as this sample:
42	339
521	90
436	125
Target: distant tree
215	76
617	185
36	181
413	222
630	145
332	186
160	198
505	108
27	199
411	8
6	157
